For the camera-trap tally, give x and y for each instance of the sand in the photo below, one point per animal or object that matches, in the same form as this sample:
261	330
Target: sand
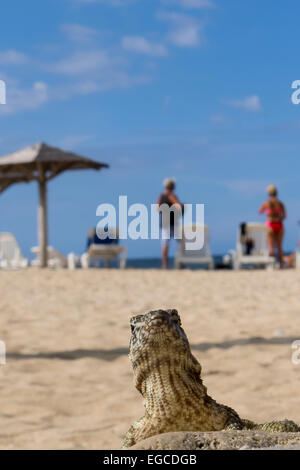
67	383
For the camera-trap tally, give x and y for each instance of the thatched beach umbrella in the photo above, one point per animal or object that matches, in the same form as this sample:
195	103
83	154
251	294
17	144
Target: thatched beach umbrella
8	179
41	163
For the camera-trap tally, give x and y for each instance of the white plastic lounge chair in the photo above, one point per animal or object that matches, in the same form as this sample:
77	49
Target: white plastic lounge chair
260	252
10	253
200	257
106	253
55	258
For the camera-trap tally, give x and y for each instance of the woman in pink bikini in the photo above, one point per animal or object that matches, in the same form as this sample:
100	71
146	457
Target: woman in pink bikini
276	213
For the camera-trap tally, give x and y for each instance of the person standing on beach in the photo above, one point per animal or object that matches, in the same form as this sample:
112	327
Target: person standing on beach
168	198
276	214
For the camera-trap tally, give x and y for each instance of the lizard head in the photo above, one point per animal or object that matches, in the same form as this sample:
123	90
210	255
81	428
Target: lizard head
155	330
157	338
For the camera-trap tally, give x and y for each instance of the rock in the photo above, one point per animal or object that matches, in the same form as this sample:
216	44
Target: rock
223	440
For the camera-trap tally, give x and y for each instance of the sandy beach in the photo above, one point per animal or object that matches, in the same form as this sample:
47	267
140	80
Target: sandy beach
68	384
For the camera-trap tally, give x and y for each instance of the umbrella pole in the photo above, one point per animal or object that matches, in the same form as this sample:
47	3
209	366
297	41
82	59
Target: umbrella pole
43	229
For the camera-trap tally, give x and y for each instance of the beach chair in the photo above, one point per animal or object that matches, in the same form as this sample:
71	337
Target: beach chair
260	252
199	257
55	258
10	253
106	253
106	250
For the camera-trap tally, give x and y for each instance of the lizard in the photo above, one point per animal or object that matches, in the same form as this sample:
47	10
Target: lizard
169	378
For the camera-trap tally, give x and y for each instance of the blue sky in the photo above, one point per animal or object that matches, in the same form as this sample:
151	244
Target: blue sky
196	89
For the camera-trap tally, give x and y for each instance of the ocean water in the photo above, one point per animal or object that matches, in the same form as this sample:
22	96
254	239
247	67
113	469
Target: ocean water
155	263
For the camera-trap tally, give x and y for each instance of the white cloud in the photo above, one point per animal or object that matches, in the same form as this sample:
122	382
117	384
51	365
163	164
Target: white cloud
94	70
247	187
71	142
186	31
142	45
250	103
79	33
197	3
85	62
219	118
116	80
12	57
20	99
84	72
191	4
112	3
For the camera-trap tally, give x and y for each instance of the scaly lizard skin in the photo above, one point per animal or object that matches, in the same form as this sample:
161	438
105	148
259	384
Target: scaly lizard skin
169	378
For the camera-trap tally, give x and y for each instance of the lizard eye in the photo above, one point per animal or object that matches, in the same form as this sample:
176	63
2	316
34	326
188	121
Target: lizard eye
132	328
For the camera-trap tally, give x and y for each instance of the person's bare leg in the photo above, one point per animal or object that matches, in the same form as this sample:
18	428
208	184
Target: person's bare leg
279	239
165	250
271	242
290	260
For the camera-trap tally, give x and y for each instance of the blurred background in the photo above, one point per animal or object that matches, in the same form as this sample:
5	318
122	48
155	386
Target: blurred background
196	89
